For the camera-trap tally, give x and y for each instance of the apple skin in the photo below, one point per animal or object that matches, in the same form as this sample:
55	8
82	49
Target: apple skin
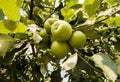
77	40
59	49
52	39
6	42
43	32
61	30
48	23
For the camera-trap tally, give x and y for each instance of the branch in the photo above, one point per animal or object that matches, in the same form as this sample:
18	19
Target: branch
107	17
33	50
49	16
90	64
31	9
41	6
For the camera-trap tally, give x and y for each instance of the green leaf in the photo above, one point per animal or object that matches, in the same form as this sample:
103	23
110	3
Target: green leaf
11	9
111	1
70	3
77	6
67	13
6	42
1	14
90	6
118	63
108	66
113	21
8	26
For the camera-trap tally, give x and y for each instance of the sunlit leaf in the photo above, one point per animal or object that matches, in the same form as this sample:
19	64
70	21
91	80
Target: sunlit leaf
11	9
112	3
70	63
67	13
113	21
108	66
8	26
90	6
70	3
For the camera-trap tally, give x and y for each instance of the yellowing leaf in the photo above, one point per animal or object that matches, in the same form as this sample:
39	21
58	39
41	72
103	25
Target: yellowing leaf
10	9
8	26
108	66
70	62
36	37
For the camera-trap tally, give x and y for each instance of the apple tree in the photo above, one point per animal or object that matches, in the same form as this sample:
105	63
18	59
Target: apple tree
59	41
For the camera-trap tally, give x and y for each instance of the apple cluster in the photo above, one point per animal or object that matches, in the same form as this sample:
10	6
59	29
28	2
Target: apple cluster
63	37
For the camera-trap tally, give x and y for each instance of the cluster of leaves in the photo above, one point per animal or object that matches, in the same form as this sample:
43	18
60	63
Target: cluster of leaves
30	59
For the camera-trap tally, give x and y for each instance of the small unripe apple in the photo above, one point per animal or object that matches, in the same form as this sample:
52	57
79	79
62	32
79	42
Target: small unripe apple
48	23
61	30
78	39
6	42
59	49
42	32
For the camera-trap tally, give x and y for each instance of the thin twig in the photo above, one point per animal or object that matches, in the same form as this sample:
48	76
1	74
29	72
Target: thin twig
33	50
41	6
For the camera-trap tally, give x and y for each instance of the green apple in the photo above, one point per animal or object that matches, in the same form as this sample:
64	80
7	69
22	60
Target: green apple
48	23
6	42
42	32
59	49
78	39
61	30
52	39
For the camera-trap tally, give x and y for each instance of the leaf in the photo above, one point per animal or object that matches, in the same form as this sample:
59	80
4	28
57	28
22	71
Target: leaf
33	28
8	26
90	6
67	13
113	21
11	9
1	14
56	76
70	3
43	69
77	6
112	2
36	37
119	69
118	63
70	63
6	42
108	66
